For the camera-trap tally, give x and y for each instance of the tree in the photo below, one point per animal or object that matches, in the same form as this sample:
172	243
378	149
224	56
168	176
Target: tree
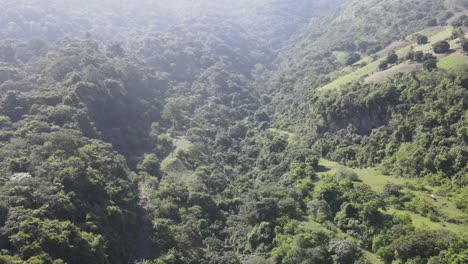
343	251
115	49
441	47
261	236
392	58
176	110
383	65
150	165
410	56
7	53
430	65
353	58
421	39
464	46
386	254
421	243
38	47
458	33
459	21
418	56
60	240
428	56
431	22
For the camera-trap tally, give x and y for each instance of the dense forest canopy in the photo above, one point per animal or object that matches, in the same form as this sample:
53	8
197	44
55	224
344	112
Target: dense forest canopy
250	131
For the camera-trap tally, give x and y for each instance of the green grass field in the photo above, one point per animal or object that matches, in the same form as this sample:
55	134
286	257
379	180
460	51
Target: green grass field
353	76
453	62
423	222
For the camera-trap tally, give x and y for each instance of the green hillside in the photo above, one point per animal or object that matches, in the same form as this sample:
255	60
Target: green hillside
234	132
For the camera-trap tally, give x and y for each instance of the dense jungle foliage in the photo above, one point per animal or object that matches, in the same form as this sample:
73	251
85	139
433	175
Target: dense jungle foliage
155	132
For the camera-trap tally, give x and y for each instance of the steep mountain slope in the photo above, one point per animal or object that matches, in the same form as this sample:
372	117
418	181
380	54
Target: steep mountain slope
410	124
199	132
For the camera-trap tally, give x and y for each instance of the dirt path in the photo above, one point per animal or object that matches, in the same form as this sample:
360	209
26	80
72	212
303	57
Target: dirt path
144	234
175	147
143	243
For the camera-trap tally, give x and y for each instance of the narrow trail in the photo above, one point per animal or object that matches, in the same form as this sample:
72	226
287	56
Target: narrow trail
143	242
175	147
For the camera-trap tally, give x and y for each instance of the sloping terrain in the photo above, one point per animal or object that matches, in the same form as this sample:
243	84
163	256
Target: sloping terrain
263	131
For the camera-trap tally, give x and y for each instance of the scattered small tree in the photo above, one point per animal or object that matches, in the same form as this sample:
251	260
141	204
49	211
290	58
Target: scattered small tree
428	56
383	65
464	46
460	21
430	65
150	164
410	56
176	111
421	39
431	22
392	58
458	33
353	58
418	56
441	47
114	49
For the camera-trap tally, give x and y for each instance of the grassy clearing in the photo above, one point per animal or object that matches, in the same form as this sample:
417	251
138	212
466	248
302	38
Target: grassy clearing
341	56
370	176
423	222
182	145
382	76
453	62
354	76
397	45
173	167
